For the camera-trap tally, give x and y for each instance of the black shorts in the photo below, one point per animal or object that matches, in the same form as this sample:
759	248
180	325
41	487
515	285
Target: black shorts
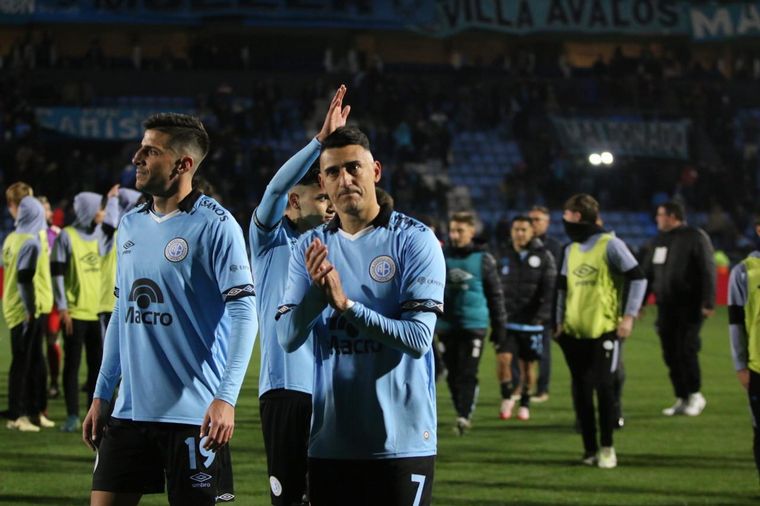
285	422
382	482
136	458
528	346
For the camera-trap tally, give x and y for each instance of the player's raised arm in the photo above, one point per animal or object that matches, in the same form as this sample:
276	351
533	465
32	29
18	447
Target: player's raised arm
274	201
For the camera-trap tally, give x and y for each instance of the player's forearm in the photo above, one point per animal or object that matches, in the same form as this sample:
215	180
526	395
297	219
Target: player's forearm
739	345
559	316
412	336
26	291
110	366
272	203
59	293
243	331
294	323
636	293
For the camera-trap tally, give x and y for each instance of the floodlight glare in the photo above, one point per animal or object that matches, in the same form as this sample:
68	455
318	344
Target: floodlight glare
607	158
594	159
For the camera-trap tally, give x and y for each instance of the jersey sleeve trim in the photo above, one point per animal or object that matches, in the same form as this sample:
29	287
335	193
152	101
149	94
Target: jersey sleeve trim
260	225
238	292
423	306
283	310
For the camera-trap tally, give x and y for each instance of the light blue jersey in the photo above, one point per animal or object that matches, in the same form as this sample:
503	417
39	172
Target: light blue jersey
183	325
374	385
272	237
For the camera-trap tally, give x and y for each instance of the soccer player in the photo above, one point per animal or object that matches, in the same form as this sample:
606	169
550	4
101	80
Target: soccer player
744	331
75	266
681	271
27	298
473	299
528	275
596	268
180	336
540	218
292	204
369	284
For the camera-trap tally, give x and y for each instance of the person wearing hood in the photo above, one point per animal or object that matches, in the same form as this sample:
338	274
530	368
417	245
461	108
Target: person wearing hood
27	300
744	333
528	274
472	299
593	319
117	203
76	269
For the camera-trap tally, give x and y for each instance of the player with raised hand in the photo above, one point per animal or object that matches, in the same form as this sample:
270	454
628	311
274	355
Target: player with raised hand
292	204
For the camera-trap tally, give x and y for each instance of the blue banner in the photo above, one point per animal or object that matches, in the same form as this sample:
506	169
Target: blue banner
624	136
100	123
439	18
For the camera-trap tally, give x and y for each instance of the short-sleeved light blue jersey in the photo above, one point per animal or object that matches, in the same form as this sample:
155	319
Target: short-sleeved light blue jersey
374	385
171	338
272	238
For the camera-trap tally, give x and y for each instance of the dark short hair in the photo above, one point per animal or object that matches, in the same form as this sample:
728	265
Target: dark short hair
521	217
183	130
675	209
467	217
584	204
311	177
346	136
541	209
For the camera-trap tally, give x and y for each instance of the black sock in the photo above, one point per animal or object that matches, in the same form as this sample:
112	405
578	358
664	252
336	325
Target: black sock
507	387
525	399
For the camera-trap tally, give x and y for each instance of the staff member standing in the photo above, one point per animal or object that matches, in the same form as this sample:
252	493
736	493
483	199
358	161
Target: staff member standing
743	318
681	272
596	268
540	218
473	297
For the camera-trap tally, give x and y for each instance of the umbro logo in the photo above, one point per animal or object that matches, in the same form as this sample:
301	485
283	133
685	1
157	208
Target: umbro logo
201	477
225	497
128	245
91	259
585	270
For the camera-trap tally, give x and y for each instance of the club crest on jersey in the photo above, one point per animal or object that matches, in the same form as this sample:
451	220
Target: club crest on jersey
176	250
382	269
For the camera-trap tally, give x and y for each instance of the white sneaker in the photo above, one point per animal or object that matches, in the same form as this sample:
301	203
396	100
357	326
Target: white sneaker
523	413
45	422
676	409
589	460
695	405
463	425
22	424
607	458
505	411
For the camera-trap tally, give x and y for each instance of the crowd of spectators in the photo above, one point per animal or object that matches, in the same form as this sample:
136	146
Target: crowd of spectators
413	117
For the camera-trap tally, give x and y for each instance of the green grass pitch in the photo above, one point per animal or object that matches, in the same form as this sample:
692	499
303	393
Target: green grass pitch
662	461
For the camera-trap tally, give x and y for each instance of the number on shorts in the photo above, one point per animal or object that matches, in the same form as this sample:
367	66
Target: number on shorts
419	479
210	456
537	343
